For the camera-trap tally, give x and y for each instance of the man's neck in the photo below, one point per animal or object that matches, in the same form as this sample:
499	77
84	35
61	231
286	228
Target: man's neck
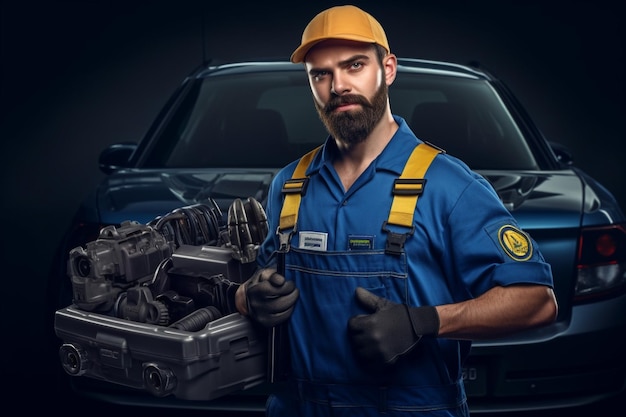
353	159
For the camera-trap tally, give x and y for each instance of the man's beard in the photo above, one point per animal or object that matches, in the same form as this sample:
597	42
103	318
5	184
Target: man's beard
353	126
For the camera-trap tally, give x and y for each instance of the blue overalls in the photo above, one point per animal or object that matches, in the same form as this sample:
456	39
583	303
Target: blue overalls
339	244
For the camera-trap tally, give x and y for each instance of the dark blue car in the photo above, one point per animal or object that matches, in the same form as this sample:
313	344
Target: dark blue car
228	129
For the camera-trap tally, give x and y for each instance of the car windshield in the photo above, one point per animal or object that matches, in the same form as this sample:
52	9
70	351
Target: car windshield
267	119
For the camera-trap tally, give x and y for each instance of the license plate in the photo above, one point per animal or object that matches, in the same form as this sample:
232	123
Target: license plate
475	380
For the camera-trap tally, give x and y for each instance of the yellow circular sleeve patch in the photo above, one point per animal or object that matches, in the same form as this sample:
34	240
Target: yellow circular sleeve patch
515	243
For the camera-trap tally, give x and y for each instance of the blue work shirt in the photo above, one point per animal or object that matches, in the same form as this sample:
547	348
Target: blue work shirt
464	243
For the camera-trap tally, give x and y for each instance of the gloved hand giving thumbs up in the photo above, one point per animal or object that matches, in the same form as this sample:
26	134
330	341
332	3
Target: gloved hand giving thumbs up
391	330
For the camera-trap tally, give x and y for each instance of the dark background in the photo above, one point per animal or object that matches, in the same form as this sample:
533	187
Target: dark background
79	75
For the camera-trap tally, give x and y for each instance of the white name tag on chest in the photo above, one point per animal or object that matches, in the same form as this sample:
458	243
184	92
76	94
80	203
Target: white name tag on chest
313	241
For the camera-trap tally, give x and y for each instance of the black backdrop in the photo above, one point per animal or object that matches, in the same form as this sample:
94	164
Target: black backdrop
79	75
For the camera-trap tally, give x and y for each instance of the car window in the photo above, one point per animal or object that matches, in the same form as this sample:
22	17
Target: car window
256	120
463	116
267	119
295	104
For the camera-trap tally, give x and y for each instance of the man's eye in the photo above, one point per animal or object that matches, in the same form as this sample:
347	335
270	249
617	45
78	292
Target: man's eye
356	65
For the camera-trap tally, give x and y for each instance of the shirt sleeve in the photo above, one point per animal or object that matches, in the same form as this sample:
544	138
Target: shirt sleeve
487	245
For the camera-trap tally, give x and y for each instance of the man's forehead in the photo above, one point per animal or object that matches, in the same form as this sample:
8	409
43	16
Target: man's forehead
339	50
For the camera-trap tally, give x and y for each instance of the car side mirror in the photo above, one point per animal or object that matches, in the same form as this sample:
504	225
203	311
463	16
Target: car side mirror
116	156
563	154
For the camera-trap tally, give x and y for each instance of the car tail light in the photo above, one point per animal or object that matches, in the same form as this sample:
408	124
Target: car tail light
601	262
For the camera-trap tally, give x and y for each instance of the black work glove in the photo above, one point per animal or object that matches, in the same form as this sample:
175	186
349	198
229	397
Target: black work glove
270	298
391	330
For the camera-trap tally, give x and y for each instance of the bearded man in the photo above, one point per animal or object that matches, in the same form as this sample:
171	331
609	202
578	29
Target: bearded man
379	313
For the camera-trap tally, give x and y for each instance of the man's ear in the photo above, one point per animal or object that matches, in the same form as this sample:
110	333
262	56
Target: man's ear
390	66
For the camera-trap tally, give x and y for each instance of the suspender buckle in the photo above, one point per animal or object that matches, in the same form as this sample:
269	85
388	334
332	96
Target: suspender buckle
395	241
409	186
284	239
295	185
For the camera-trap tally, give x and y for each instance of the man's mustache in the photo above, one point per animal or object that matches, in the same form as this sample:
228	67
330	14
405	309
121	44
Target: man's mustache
337	101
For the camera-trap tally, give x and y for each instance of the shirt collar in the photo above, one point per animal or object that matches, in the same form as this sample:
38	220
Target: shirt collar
392	158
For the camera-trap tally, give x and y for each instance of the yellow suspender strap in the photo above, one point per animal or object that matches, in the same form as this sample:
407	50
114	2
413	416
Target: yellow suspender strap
406	190
410	185
294	189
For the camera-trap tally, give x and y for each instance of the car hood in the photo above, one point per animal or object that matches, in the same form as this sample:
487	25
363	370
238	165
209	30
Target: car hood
553	198
540	199
142	195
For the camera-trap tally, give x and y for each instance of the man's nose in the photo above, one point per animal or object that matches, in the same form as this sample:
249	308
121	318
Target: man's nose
339	85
